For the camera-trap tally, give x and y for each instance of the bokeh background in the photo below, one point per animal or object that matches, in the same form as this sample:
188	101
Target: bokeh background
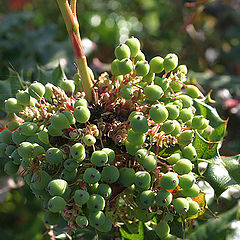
205	34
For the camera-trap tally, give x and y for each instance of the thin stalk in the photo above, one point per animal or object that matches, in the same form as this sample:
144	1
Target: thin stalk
72	25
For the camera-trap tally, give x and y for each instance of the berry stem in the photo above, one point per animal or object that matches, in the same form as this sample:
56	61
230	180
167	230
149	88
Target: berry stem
72	25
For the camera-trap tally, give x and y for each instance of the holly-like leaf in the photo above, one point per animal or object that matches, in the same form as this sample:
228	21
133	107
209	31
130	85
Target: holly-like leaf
135	236
218	176
232	164
44	76
58	75
215	229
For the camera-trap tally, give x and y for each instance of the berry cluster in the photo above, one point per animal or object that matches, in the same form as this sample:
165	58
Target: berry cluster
133	144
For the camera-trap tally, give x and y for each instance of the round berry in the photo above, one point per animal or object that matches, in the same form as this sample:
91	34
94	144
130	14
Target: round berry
13	106
170	62
59	121
91	176
134	46
56	204
158	113
68	87
153	92
36	90
181	205
89	140
169	181
156	65
99	158
162	82
162	229
104	190
81	221
186	181
114	67
142	179
81	114
110	153
126	176
125	66
163	198
139	124
54	156
81	197
182	166
126	92
122	51
96	203
142	68
110	174
77	152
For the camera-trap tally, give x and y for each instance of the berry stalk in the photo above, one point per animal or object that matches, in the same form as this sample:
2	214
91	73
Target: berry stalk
72	25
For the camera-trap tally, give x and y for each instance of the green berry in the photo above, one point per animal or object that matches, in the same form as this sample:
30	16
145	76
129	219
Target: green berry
191	192
77	152
91	176
110	153
174	158
36	90
126	176
122	51
141	154
104	190
131	148
125	66
25	149
176	85
99	158
135	138
142	179
142	68
140	57
193	208
126	92
81	197
97	218
48	95
162	82
56	204
110	174
96	203
170	62
186	137
81	114
168	126
114	67
189	152
181	205
150	162
70	117
106	227
40	180
54	156
147	198
89	140
182	69
186	181
156	65
60	121
54	131
43	137
177	128
192	91
13	106
134	46
57	187
69	176
169	181
158	113
162	229
173	111
51	218
81	102
153	92
28	128
197	122
163	198
133	114
186	100
139	124
149	78
70	164
182	166
81	221
186	114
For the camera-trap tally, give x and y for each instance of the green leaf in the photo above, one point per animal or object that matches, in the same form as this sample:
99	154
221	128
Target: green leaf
214	229
218	176
232	164
44	76
58	75
10	86
136	236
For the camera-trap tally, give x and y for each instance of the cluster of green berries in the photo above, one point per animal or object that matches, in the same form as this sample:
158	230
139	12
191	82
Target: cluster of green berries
68	156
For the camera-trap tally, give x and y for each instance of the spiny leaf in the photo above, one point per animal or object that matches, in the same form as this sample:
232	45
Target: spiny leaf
232	164
214	229
58	75
217	176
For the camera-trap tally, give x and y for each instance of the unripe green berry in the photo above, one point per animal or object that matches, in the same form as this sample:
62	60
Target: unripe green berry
125	66
158	113
81	114
183	166
170	62
134	46
122	51
126	92
142	68
36	90
153	92
156	65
